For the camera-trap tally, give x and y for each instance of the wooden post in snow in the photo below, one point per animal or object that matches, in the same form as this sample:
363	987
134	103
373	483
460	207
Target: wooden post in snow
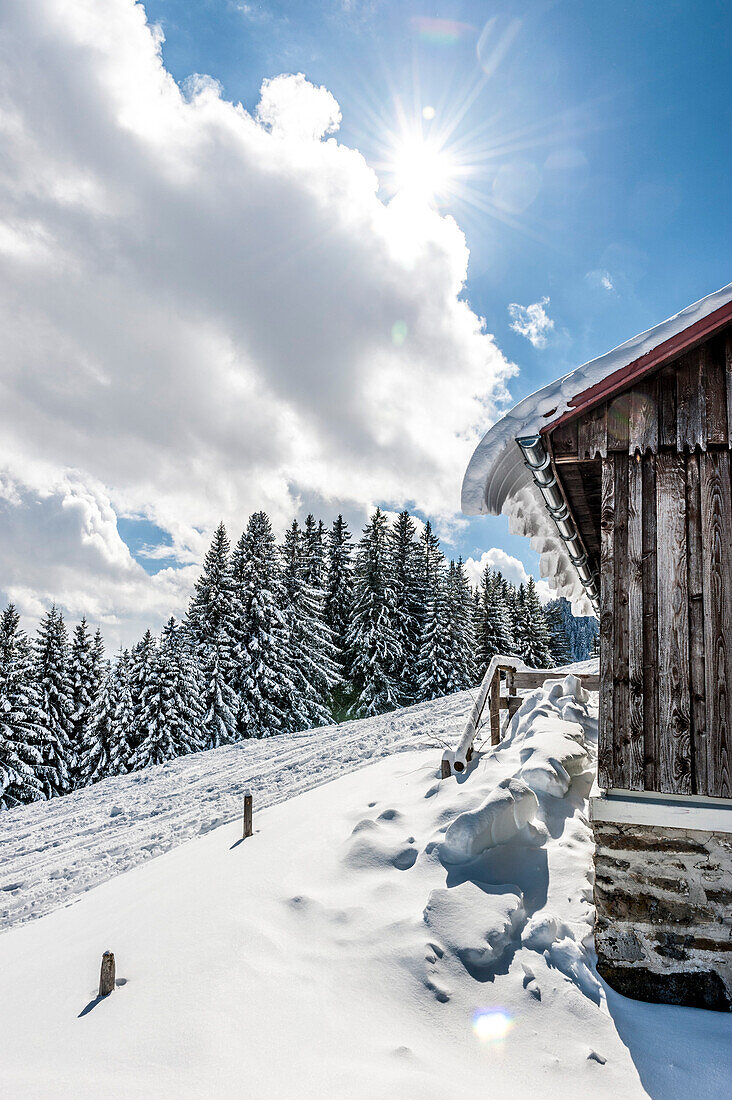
495	703
445	769
107	974
248	830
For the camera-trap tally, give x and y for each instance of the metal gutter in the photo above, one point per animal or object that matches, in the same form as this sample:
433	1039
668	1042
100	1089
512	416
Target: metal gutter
539	462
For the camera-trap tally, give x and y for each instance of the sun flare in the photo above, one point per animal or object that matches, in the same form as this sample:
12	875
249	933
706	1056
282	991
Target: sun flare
422	169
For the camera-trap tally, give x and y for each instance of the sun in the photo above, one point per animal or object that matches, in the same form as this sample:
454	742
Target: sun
422	169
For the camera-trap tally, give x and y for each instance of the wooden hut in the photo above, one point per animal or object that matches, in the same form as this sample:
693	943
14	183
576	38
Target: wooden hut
629	456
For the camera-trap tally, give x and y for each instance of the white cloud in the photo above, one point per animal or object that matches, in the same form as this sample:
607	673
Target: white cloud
531	321
511	568
197	306
601	279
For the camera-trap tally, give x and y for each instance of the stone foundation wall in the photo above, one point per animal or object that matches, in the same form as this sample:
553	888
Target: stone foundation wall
663	929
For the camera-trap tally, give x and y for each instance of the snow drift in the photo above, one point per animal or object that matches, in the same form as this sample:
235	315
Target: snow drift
338	951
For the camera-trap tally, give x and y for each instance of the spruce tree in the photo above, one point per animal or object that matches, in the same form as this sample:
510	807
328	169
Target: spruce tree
99	665
559	641
125	716
139	670
105	750
532	634
313	669
171	713
219	700
408	603
268	699
493	633
372	643
339	603
84	679
21	721
460	628
209	623
55	700
435	660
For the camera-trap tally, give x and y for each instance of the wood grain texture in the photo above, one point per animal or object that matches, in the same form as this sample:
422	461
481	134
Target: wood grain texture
690	402
564	439
618	422
674	718
494	704
715	389
107	974
696	624
650	629
592	434
728	384
632	769
716	514
667	408
643	418
621	699
607	621
248	827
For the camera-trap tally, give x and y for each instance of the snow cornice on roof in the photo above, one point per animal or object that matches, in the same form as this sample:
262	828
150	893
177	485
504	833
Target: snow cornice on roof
496	473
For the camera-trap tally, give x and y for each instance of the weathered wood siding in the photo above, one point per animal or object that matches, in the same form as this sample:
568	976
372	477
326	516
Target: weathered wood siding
665	526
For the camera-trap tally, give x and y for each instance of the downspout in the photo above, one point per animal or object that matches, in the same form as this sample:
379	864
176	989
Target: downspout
539	462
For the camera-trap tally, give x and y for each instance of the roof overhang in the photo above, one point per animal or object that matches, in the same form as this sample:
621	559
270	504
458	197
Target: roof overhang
496	471
497	475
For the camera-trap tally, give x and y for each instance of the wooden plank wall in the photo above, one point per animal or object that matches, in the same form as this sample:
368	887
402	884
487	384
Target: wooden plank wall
666	576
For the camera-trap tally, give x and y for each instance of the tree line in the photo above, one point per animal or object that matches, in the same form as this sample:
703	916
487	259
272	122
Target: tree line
276	638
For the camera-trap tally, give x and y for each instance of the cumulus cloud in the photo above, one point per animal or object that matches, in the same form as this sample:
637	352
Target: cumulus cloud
198	305
511	568
531	321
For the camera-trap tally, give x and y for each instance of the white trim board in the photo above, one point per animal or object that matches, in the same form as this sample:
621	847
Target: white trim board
706	815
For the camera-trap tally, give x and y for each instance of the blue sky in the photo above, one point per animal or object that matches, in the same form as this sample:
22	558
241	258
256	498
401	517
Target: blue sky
624	111
209	309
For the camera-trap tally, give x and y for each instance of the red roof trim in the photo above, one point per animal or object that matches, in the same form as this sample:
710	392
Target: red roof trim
653	359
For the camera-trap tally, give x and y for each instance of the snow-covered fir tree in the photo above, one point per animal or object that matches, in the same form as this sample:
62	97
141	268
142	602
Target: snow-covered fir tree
409	594
99	665
171	713
338	608
84	680
435	659
55	701
580	631
313	667
531	637
105	750
139	673
219	700
210	609
559	646
492	623
372	644
210	624
460	630
22	733
268	697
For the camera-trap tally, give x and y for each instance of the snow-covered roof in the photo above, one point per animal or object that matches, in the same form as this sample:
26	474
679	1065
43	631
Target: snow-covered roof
496	474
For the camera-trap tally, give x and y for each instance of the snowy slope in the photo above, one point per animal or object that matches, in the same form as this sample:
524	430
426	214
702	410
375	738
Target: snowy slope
348	949
50	852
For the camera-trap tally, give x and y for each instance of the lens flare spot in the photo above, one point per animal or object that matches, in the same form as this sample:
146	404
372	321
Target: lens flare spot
398	333
491	1025
428	113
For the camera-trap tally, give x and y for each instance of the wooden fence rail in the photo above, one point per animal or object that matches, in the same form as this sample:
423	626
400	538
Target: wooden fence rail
517	678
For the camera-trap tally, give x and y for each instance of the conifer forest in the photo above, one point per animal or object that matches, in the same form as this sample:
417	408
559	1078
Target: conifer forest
277	638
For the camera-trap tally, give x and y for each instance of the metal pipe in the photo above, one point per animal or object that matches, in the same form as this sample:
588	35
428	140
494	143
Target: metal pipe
539	461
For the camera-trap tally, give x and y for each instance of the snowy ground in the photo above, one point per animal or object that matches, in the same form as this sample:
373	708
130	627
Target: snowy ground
50	852
385	934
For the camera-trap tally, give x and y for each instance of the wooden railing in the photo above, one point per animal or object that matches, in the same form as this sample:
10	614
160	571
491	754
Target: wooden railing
517	678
